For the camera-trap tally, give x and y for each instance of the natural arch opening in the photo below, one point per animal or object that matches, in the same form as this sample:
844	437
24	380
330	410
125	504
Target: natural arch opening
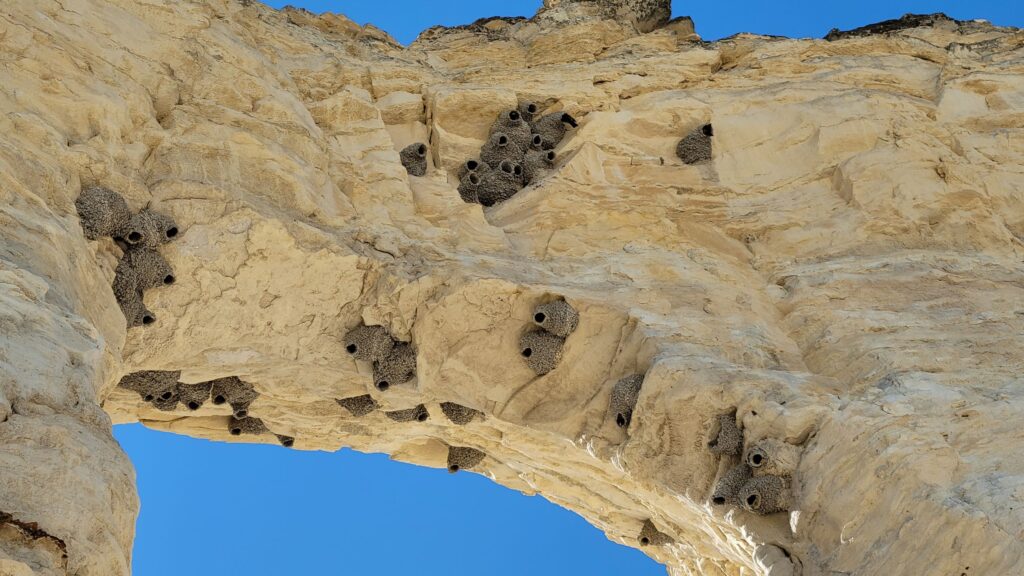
266	502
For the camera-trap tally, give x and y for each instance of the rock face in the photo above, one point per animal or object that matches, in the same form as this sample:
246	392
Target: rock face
843	276
645	15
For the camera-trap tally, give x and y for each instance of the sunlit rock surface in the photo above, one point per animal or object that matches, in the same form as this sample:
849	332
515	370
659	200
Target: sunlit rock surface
845	273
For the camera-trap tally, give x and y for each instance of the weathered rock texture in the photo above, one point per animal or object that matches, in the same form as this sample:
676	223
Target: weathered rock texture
845	273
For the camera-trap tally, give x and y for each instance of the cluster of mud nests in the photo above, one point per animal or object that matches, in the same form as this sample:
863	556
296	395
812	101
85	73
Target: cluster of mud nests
105	213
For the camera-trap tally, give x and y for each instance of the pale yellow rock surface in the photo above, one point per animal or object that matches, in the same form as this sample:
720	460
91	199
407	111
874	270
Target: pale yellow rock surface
846	273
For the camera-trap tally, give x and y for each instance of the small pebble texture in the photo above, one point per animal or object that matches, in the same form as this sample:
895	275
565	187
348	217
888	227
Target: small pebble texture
472	165
728	440
152	384
558	318
469	187
499	185
765	494
536	163
512	124
541	350
129	296
552	128
651	536
369	343
359	405
695	147
417	414
459	414
103	212
623	399
398	367
728	486
193	396
151	268
528	109
150	229
169	404
235	392
414	158
463	458
773	457
247	425
501	147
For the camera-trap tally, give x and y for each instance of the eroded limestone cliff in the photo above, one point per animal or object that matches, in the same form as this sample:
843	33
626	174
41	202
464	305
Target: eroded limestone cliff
839	290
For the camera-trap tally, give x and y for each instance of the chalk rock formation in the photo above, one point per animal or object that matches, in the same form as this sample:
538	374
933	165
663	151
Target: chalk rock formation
645	15
844	275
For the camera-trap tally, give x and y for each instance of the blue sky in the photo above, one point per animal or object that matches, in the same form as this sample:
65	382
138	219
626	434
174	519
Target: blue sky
404	19
212	509
225	510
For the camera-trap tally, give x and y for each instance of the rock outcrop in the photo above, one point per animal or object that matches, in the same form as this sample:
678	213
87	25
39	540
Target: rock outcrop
842	277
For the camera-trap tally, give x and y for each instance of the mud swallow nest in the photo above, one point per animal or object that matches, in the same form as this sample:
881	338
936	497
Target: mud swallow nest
463	458
623	400
417	414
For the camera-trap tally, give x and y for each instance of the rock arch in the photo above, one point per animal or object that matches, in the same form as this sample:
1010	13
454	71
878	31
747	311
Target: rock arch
803	278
